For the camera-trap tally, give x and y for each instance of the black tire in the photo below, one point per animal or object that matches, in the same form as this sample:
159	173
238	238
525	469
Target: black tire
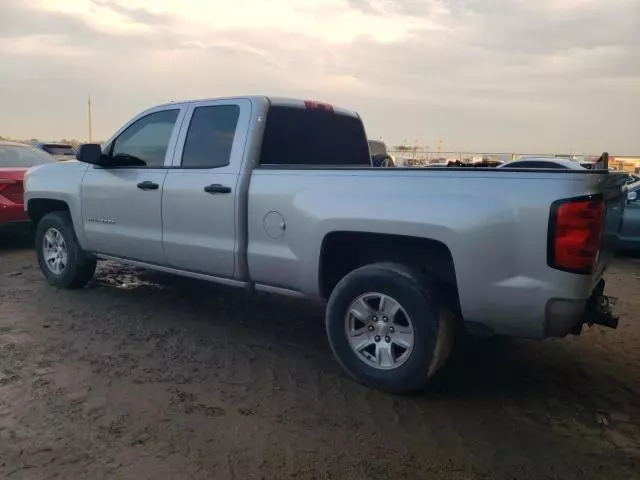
432	326
80	267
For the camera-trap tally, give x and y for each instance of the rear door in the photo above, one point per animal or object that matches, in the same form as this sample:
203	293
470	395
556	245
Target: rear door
200	193
121	206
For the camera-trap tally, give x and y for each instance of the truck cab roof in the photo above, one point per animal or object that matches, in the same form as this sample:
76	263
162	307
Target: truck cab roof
272	100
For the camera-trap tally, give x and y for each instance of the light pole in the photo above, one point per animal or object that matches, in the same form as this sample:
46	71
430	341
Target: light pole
89	113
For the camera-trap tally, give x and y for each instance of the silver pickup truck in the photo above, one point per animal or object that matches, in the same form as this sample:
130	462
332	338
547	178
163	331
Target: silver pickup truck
279	195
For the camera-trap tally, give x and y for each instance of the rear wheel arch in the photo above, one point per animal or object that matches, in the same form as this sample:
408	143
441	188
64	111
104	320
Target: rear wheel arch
345	251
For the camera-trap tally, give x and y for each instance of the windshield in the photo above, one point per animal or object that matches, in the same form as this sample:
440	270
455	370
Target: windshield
58	149
22	156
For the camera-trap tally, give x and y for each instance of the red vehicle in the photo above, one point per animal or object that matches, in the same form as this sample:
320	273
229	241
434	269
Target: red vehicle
15	160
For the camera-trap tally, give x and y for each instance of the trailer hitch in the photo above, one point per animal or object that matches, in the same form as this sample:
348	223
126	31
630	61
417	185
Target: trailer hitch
598	310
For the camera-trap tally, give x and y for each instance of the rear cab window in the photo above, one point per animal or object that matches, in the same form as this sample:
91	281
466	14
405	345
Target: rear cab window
311	137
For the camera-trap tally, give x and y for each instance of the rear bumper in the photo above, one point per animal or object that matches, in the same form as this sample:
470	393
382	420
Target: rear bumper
565	316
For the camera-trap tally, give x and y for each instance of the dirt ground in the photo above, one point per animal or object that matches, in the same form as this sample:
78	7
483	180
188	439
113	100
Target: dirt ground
144	376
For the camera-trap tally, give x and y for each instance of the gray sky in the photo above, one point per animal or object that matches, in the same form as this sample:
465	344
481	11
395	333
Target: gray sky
482	75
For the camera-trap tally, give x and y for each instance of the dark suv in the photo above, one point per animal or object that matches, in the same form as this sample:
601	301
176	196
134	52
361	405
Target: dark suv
379	155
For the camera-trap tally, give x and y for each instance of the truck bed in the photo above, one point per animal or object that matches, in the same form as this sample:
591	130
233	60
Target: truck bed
493	221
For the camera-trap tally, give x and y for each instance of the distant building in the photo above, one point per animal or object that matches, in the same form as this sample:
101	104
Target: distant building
625	163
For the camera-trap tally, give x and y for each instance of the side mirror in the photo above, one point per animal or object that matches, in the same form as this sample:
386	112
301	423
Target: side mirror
90	153
632	197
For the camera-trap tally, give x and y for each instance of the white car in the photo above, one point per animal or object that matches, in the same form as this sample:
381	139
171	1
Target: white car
542	162
633	182
632	187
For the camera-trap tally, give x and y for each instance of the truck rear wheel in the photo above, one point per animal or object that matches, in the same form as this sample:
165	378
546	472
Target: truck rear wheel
387	328
62	261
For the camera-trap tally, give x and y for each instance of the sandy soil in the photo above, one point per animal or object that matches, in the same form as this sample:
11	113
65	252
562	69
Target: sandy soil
145	376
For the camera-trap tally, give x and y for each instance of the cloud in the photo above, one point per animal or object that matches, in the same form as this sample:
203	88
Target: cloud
139	15
505	74
408	8
365	6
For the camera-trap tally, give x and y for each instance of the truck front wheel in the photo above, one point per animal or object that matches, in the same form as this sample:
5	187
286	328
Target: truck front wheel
62	261
387	328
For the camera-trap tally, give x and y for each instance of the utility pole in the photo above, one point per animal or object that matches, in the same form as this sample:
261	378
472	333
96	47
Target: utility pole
89	112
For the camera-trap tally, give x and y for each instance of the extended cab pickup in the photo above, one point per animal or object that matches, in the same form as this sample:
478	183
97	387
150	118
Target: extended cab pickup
279	195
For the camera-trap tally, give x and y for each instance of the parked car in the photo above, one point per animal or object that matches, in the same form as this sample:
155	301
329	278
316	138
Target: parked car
60	151
542	162
15	159
630	234
633	178
379	155
632	186
277	195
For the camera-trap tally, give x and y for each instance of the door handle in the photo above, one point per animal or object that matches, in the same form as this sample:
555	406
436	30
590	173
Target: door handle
148	185
217	188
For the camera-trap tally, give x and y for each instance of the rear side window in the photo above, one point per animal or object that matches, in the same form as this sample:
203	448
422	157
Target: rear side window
210	136
313	137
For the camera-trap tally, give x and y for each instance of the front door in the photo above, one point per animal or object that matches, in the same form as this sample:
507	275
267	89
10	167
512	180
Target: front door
121	206
200	195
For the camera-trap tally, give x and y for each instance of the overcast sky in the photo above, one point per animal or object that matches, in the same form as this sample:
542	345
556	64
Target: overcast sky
482	75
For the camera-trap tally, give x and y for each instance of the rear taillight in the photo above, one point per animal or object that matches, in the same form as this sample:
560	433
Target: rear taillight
575	234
